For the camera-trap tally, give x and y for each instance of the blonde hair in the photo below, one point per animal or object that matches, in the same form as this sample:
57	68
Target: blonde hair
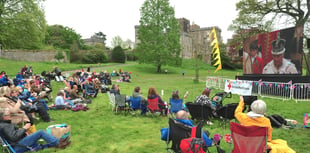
5	90
259	107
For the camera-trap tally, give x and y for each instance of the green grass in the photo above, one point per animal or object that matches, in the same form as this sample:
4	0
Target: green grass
100	130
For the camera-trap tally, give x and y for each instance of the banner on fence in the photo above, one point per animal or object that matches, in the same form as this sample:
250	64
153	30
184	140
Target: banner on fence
241	87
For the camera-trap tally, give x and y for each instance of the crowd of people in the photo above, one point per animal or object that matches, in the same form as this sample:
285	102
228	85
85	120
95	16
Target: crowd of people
28	95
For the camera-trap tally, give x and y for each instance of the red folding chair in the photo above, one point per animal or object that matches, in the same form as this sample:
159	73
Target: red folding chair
153	105
247	139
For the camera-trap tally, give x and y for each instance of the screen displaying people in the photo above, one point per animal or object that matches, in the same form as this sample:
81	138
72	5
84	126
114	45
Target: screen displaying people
277	53
253	62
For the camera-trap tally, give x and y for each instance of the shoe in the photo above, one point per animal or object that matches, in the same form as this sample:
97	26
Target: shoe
209	123
64	139
63	145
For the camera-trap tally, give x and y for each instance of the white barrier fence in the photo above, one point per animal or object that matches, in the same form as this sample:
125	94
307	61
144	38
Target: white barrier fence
278	90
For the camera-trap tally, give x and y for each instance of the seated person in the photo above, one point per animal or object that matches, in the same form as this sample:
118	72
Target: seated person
115	89
175	96
74	96
137	93
21	140
60	101
204	98
182	117
152	93
90	88
14	108
256	118
29	107
216	101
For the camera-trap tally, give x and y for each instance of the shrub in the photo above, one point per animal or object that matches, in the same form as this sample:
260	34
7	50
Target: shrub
95	56
118	55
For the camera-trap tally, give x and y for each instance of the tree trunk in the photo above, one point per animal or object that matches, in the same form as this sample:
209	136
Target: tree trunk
159	68
197	70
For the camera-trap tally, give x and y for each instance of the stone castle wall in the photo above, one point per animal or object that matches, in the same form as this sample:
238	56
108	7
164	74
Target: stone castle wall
30	56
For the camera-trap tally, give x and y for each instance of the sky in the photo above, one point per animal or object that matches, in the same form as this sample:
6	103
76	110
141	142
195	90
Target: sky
118	17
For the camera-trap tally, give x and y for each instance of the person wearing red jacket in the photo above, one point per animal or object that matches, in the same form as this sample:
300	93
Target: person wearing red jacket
253	63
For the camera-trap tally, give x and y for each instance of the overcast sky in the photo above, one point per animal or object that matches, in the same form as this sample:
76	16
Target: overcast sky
118	17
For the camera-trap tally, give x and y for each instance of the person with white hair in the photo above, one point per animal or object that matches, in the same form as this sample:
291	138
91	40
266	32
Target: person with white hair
256	117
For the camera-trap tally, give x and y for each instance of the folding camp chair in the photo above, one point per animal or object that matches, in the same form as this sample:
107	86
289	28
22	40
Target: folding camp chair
226	113
153	105
89	92
120	103
247	139
112	99
179	131
175	105
199	111
135	103
8	148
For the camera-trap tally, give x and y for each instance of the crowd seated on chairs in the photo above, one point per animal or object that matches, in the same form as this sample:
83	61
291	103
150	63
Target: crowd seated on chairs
180	128
256	118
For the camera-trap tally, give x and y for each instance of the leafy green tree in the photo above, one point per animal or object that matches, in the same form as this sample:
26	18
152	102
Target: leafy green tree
118	55
63	37
159	39
22	24
99	37
117	41
96	54
128	44
59	56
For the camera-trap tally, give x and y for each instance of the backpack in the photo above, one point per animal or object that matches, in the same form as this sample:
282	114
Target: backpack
277	121
192	144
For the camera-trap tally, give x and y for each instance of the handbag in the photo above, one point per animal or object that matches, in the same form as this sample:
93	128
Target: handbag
60	131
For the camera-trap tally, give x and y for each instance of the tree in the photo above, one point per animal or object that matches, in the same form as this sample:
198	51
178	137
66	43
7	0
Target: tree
99	37
59	56
96	54
117	41
62	37
128	44
158	35
22	24
118	55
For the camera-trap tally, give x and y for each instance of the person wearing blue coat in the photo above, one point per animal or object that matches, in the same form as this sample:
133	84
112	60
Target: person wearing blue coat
182	117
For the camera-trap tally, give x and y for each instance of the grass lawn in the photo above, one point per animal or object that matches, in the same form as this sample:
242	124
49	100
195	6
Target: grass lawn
100	130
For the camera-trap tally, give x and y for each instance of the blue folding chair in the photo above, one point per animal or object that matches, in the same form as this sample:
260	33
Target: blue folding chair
8	148
135	103
175	105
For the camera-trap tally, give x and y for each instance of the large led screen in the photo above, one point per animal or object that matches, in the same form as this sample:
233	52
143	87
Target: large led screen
278	52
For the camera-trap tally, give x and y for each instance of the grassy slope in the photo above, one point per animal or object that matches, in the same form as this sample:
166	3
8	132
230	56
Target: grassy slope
99	130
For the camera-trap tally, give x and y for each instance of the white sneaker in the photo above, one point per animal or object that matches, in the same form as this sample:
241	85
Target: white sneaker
209	123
